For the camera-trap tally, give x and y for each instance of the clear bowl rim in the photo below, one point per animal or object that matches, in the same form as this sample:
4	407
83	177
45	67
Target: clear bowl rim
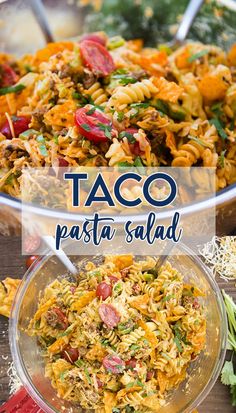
226	195
24	376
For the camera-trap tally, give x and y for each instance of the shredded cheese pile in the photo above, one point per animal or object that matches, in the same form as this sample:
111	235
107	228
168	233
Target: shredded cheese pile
220	254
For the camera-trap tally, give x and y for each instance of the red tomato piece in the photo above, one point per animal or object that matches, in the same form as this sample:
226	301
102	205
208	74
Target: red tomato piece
94	125
70	354
131	364
97	58
109	315
31	260
8	76
150	374
104	290
95	37
57	319
113	364
135	148
20	125
31	244
62	162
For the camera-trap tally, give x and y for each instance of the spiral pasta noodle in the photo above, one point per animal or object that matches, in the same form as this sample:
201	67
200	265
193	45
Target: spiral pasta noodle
97	94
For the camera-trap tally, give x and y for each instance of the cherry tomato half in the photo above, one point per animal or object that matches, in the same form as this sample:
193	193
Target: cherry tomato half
104	290
97	58
62	162
20	125
70	354
95	37
31	260
94	125
8	76
57	319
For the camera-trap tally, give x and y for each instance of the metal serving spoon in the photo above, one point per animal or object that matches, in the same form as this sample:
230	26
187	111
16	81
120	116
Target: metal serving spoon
180	36
39	12
186	22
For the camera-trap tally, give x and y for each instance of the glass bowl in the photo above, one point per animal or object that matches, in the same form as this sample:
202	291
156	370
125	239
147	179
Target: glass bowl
156	22
202	373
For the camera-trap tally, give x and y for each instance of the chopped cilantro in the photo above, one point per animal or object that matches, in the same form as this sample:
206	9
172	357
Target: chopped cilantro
91	111
11	89
120	116
106	129
124	79
85	127
218	125
128	135
198	55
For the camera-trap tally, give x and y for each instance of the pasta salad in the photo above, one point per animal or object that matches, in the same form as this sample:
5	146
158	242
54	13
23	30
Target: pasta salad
121	336
109	102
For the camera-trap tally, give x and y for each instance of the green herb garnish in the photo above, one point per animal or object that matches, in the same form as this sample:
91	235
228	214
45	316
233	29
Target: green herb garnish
198	55
11	89
218	125
128	135
198	140
28	133
85	127
120	116
168	298
42	146
221	159
106	129
79	363
87	375
91	111
178	344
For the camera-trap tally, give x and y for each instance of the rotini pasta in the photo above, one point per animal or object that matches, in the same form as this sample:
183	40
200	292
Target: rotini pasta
130	342
176	109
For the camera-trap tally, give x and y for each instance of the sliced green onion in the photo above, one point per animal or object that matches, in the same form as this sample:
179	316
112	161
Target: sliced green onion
11	89
198	55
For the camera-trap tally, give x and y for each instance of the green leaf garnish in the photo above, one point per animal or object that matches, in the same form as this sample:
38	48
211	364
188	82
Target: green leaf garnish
91	111
128	135
11	89
85	127
120	116
79	363
198	55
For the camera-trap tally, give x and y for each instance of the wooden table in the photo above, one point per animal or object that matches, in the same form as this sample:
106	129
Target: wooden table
13	264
